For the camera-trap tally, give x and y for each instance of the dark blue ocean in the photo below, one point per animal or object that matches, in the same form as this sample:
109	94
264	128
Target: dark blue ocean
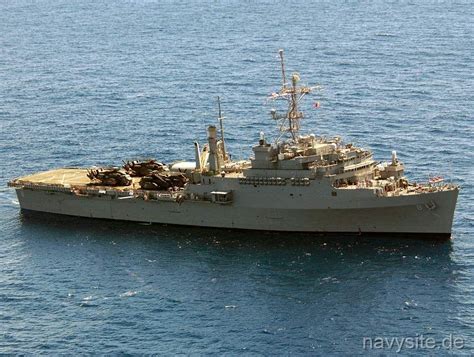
94	82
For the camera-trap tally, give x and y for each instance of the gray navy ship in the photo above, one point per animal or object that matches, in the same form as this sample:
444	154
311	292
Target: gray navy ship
294	183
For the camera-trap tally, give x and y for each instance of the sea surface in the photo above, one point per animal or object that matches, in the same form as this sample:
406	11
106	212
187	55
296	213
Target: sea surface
94	82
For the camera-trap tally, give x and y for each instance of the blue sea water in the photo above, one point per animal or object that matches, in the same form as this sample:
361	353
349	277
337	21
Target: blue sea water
90	83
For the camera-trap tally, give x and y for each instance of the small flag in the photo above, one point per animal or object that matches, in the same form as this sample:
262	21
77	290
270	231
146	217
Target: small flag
316	105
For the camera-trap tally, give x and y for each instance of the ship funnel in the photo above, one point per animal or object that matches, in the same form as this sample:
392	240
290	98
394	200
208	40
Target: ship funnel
212	148
212	131
197	156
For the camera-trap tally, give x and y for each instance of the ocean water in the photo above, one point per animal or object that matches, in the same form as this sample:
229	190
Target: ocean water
94	82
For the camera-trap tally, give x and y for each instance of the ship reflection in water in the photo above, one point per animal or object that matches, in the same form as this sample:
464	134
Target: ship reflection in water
246	288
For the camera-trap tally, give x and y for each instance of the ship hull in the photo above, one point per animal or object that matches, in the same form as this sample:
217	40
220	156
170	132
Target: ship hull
401	215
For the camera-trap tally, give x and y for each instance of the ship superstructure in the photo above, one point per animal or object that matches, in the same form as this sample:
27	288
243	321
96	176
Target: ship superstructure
296	182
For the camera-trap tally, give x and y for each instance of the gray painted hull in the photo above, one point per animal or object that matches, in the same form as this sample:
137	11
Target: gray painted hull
364	214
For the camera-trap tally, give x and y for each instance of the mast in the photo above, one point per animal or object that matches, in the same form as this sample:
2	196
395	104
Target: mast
221	124
289	122
282	67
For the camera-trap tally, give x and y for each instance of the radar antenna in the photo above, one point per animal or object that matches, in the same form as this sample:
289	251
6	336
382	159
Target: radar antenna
289	122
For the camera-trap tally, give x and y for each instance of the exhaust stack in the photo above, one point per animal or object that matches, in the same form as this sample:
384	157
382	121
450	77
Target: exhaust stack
197	156
213	159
